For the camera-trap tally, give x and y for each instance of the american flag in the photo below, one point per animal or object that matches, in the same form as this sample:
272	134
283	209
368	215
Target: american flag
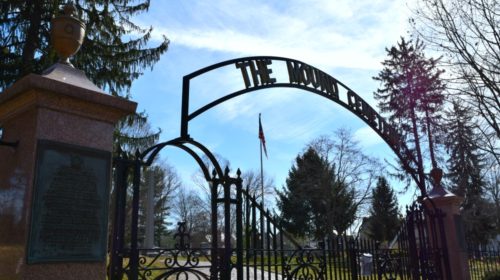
262	138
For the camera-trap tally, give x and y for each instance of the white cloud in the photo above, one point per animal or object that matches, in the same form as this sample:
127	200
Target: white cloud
367	137
344	38
288	114
323	33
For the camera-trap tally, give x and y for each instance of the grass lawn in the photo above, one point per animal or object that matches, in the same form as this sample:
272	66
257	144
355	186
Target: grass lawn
9	260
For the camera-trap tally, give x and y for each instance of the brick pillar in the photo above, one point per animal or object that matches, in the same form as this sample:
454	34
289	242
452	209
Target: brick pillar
54	185
449	204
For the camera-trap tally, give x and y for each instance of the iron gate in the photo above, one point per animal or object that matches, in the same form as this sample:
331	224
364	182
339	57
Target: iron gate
260	248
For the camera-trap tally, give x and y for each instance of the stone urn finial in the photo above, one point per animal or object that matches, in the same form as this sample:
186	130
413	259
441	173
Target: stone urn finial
437	175
437	190
67	34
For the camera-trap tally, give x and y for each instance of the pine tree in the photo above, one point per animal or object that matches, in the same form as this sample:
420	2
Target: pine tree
293	202
334	206
464	162
313	202
114	53
465	168
384	218
412	96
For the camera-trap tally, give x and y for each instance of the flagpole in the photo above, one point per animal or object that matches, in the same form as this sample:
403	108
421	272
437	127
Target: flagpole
261	175
261	171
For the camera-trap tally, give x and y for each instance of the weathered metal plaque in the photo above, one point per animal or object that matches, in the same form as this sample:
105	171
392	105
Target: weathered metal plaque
69	214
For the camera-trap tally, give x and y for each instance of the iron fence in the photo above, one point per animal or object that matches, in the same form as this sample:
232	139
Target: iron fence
267	252
483	259
255	246
342	257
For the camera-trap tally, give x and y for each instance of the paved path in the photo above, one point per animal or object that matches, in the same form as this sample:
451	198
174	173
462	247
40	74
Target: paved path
204	268
258	275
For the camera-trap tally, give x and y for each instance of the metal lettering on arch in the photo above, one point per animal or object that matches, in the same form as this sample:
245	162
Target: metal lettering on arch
258	73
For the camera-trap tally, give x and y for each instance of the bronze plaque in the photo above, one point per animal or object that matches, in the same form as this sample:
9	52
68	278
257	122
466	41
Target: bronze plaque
69	216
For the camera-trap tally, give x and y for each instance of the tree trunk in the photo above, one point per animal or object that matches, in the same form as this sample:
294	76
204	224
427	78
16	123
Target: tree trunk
34	13
431	141
420	166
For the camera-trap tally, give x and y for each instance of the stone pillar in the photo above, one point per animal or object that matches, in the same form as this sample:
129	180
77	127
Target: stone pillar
449	204
54	185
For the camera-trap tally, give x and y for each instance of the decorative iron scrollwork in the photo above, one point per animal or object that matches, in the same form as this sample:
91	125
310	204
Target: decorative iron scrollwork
304	264
389	264
172	264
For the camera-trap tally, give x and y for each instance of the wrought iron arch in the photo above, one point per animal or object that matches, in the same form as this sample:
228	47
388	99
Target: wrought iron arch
147	156
258	225
124	164
256	74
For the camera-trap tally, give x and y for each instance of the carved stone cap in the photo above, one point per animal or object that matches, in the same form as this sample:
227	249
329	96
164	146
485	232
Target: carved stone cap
65	91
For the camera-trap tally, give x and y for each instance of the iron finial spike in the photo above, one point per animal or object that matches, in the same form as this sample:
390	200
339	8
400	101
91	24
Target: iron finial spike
238	172
226	171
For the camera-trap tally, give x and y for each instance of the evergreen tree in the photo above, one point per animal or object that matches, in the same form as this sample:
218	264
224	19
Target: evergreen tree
295	207
492	187
384	218
314	202
478	216
353	170
465	167
114	53
464	162
133	133
334	206
412	96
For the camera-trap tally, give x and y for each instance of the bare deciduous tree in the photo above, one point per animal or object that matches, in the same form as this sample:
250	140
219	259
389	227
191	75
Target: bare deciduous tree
353	168
252	182
189	207
468	34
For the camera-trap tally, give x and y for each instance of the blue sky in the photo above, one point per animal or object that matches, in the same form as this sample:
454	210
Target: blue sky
344	38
